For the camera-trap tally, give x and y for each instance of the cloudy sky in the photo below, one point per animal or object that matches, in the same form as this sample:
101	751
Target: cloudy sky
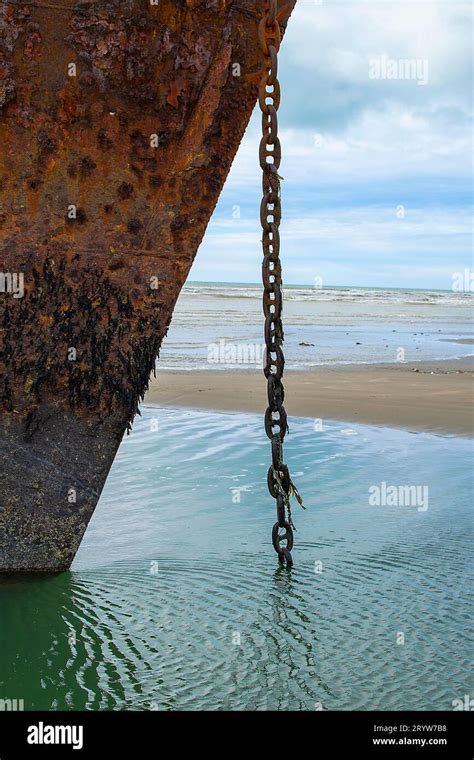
375	125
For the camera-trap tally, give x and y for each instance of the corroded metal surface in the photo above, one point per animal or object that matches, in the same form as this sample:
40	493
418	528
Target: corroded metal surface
280	484
119	120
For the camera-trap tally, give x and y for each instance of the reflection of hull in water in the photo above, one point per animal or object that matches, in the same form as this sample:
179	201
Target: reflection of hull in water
109	171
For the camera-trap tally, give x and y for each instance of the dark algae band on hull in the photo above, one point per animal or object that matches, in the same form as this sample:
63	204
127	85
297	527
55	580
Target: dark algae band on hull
119	121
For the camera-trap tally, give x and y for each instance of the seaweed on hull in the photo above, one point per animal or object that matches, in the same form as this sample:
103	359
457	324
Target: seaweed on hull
119	120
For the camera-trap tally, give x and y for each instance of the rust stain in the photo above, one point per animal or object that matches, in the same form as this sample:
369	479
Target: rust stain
118	125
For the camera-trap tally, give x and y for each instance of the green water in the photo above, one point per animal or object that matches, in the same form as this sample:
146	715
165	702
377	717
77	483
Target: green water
176	601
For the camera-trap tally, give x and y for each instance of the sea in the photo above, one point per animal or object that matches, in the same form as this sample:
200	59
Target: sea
330	326
176	599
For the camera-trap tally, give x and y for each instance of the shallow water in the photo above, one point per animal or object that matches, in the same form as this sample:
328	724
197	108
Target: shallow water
176	600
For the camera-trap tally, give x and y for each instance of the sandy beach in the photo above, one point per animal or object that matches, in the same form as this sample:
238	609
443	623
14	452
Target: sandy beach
435	397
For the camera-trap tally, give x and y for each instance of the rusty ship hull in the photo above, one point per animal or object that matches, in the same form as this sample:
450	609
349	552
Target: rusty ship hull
118	125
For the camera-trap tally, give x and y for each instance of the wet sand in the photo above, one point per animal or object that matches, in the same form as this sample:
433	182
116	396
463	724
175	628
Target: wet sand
435	397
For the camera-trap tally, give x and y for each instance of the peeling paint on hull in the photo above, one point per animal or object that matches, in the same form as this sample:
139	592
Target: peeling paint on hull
118	125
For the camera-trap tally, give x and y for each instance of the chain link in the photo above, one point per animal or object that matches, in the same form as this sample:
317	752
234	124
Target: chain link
280	484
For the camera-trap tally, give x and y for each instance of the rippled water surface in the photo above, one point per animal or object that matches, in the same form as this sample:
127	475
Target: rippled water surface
176	601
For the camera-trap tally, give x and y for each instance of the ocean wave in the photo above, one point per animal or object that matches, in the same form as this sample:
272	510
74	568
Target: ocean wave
348	295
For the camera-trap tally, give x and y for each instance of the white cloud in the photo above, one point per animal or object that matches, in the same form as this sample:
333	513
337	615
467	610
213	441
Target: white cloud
356	148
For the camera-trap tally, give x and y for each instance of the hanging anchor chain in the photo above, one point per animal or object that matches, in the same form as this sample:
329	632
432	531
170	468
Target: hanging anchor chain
280	484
